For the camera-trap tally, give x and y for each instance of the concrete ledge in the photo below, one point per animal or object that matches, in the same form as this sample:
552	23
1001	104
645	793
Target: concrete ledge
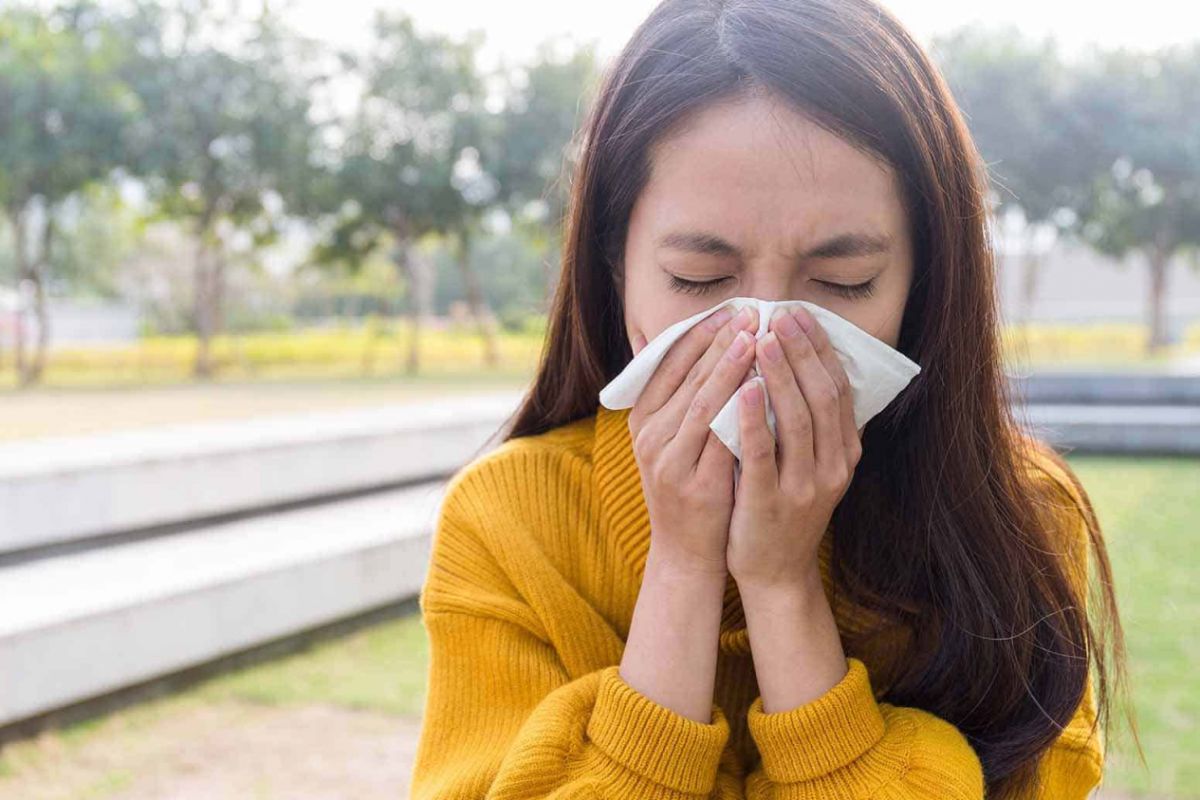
88	623
1141	430
59	490
1107	388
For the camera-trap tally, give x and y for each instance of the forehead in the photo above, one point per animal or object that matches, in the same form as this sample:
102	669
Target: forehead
757	169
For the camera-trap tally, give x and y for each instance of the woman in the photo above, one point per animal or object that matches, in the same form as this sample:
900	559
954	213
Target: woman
892	612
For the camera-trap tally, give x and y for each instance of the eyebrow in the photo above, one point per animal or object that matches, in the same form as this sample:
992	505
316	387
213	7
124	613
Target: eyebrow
845	245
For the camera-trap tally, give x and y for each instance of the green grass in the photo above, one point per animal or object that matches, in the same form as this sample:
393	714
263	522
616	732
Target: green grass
1150	511
380	668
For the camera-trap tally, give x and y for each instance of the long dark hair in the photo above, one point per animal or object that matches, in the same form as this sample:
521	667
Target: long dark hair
940	528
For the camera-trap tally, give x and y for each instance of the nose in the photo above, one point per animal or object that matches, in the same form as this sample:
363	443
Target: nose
770	292
764	310
776	285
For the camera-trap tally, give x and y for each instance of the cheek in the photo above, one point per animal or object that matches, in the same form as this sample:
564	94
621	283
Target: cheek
882	315
880	320
650	308
888	328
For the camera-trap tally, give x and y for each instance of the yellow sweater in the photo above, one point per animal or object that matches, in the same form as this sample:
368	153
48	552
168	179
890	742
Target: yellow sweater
537	560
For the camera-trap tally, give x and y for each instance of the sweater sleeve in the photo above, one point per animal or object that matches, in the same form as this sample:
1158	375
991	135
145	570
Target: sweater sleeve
504	719
847	738
1074	765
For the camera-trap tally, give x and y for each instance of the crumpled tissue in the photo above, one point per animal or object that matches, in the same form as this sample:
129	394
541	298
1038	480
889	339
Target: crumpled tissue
877	372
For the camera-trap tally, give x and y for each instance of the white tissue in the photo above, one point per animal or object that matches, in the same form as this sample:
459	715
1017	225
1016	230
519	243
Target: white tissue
877	372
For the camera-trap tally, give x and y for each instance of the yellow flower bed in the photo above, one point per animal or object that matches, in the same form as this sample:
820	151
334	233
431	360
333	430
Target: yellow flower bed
1048	343
377	349
347	352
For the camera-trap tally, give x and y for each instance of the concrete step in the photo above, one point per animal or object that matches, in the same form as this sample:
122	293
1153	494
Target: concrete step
79	625
1135	429
1107	388
69	489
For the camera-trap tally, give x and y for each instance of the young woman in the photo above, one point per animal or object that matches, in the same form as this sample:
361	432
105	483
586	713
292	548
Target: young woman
894	612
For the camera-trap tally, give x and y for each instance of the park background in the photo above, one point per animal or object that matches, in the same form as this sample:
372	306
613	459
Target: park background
238	214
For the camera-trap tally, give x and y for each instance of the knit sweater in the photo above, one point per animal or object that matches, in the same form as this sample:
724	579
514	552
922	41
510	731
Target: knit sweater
536	563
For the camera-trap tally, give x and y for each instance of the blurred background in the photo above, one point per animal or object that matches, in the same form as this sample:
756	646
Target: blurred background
271	271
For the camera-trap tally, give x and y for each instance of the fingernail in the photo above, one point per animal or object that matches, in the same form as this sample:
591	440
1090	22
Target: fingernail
805	319
787	325
752	393
745	315
771	349
720	318
739	344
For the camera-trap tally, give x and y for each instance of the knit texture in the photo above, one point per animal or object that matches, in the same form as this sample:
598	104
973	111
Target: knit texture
536	563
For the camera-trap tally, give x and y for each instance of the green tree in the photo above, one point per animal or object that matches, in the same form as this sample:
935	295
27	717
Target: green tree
406	161
534	154
1014	94
522	158
1139	110
63	117
226	133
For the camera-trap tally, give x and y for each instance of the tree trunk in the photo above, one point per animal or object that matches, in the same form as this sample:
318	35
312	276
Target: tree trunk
479	311
41	312
37	362
31	285
17	218
1158	261
402	258
1031	268
202	309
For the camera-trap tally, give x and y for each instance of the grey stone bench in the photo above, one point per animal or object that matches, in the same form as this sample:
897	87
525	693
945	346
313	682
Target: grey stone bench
69	489
89	608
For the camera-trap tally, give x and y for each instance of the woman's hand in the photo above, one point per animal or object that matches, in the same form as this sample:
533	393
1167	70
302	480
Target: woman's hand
686	471
787	492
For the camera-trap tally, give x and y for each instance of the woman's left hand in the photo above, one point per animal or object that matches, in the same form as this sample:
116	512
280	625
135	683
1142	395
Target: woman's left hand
787	492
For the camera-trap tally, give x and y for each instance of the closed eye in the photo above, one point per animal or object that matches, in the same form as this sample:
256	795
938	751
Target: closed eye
695	287
850	291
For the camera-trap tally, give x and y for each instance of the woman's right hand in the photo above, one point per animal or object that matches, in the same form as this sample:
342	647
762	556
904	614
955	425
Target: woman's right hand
686	471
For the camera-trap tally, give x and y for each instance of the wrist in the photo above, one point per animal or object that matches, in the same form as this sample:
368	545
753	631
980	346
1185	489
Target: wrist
795	641
683	568
802	592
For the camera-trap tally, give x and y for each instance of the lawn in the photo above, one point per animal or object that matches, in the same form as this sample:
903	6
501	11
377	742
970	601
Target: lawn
1150	510
363	692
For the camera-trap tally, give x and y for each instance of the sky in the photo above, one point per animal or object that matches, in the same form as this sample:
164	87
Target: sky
515	27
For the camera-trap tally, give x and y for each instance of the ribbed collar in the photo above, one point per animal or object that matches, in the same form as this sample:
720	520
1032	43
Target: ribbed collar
623	505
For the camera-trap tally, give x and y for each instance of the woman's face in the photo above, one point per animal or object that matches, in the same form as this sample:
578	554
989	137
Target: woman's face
753	199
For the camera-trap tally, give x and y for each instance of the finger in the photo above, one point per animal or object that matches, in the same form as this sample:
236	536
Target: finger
639	341
716	459
672	413
677	363
820	393
793	420
851	438
758	446
717	389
